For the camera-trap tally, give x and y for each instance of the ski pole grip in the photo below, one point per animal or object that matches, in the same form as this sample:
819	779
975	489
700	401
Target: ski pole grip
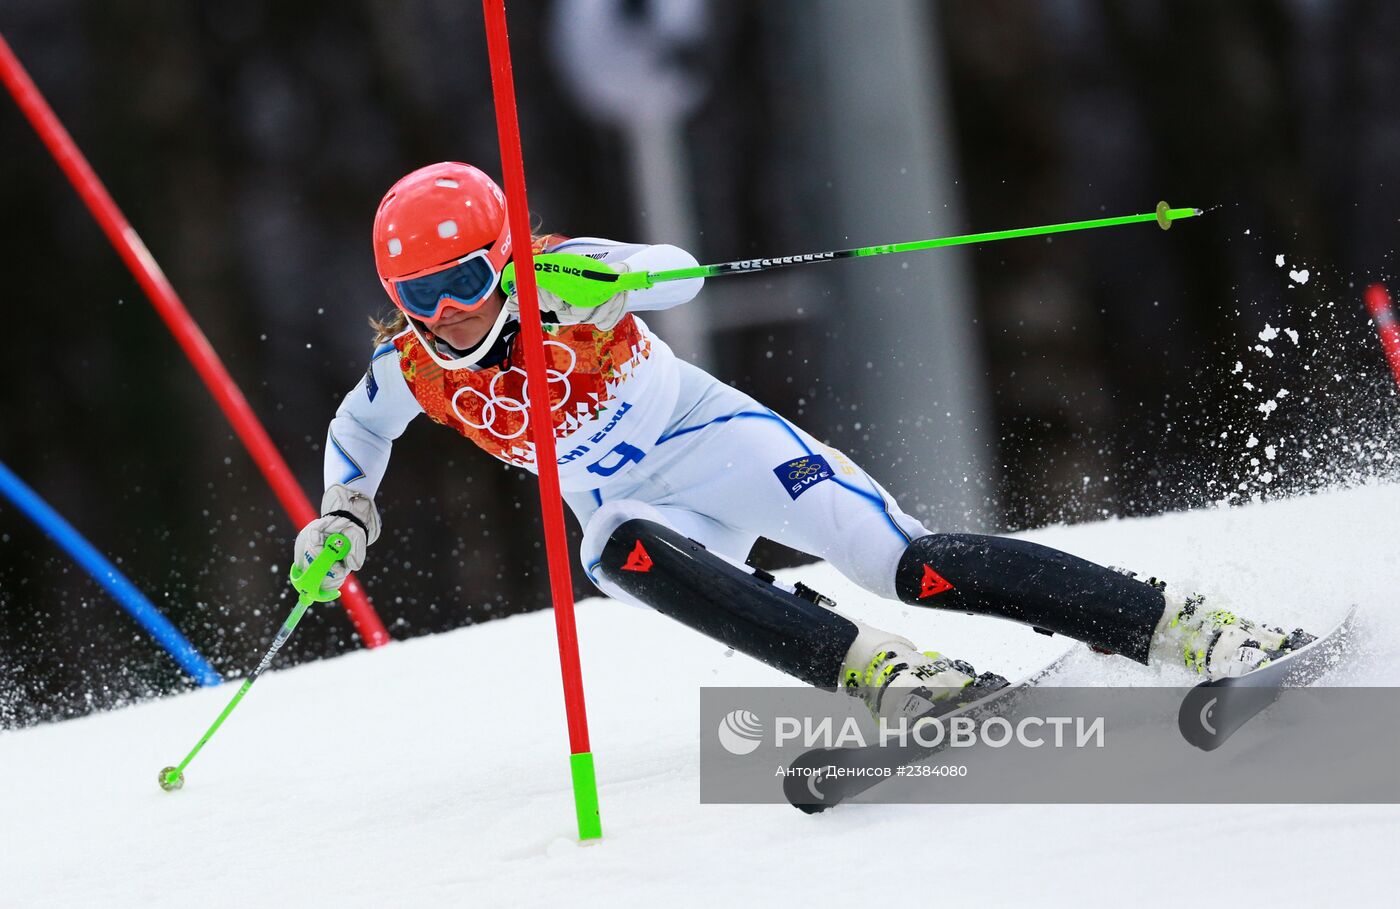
307	583
578	280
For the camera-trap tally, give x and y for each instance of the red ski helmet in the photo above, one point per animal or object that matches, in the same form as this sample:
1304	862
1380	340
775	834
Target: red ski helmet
444	216
435	216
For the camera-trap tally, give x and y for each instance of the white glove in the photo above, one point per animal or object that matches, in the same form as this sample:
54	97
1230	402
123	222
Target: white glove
605	316
343	510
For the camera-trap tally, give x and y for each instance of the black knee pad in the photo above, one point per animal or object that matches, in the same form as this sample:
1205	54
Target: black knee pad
678	577
1049	590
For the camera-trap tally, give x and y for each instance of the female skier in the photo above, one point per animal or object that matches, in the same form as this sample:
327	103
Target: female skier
674	475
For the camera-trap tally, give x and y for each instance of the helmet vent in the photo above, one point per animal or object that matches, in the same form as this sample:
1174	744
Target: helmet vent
446	183
447	229
395	246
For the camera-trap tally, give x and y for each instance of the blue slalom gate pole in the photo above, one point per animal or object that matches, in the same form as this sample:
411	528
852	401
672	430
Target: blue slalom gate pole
106	574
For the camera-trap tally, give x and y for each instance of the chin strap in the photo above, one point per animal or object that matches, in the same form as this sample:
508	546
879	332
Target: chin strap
471	359
497	354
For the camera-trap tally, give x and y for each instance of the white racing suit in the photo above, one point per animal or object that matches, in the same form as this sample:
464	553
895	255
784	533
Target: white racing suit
639	433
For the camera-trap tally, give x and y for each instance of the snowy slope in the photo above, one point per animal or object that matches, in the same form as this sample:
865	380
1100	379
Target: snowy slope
434	772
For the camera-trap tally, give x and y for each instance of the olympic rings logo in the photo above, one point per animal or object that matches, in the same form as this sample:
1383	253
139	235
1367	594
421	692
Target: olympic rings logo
804	471
499	405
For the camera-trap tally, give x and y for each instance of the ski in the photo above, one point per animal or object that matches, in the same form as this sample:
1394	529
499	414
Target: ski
1211	712
811	791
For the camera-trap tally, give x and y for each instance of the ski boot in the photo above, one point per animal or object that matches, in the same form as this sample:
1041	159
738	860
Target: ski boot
1217	643
900	683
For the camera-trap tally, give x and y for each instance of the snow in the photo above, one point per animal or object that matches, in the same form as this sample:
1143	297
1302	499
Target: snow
434	771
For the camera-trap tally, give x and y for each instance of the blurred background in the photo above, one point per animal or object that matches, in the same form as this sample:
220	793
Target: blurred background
1109	373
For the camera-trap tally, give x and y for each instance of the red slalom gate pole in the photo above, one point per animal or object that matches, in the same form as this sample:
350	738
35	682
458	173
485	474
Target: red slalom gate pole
1378	304
542	422
177	318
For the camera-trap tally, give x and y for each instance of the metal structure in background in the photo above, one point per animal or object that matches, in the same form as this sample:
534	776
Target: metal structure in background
585	784
883	134
177	318
623	61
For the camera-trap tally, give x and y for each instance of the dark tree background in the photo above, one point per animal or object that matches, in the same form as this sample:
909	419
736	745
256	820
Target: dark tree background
250	142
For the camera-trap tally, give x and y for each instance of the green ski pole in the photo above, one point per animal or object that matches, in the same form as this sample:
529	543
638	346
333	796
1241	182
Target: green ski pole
308	586
578	280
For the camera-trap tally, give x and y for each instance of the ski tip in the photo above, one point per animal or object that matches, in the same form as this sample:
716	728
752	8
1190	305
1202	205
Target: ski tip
1212	711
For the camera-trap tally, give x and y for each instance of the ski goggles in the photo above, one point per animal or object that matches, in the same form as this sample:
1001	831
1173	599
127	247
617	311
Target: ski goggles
464	286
